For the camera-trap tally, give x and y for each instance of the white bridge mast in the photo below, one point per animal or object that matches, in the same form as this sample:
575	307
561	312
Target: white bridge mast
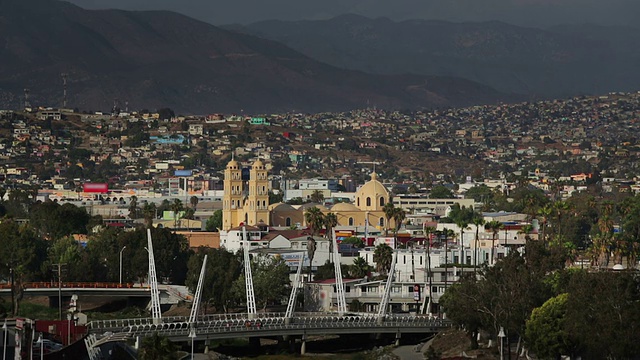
342	304
156	313
384	302
248	278
294	290
196	299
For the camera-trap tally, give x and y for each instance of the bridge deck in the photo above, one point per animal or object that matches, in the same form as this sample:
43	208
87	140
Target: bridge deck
267	325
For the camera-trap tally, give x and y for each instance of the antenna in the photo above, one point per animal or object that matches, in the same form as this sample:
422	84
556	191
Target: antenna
26	99
64	90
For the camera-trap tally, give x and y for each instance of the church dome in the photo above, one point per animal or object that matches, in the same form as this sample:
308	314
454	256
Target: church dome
372	196
344	207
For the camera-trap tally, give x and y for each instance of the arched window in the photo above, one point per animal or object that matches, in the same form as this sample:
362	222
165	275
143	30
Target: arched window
350	221
368	201
287	221
358	201
381	221
381	201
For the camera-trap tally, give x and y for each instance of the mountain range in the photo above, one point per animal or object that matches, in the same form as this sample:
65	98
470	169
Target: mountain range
162	59
555	62
532	13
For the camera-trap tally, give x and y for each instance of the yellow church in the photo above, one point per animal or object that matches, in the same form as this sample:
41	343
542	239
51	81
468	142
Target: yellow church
247	202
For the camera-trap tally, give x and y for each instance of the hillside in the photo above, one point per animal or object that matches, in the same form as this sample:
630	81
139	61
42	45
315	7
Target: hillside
559	62
163	59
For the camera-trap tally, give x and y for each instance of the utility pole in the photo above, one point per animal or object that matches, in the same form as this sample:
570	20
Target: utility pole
64	89
59	269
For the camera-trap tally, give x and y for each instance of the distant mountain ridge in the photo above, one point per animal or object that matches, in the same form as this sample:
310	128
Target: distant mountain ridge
163	59
534	13
561	61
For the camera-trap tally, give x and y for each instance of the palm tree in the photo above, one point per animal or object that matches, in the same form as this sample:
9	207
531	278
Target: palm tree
494	226
360	268
330	221
149	213
194	202
477	221
311	252
317	197
398	217
428	230
133	207
545	212
463	225
315	219
382	256
388	210
176	207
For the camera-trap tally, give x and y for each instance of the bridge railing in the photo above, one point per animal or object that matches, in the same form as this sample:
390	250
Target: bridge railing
231	324
75	285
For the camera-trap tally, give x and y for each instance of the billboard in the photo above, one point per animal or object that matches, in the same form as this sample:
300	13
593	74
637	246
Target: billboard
101	188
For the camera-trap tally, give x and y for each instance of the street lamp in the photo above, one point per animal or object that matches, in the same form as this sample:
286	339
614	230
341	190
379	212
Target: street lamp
124	247
41	342
192	335
4	348
501	336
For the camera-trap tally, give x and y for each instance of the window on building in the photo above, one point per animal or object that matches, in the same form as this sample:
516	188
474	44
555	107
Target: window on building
381	221
358	202
364	289
368	201
434	289
381	201
287	221
350	221
347	289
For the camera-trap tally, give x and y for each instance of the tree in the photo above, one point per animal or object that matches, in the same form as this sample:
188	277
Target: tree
477	221
194	202
355	241
270	281
133	207
494	226
461	303
463	225
311	252
398	217
315	219
317	197
383	256
156	347
223	268
360	268
214	223
388	210
441	192
176	207
149	211
23	253
546	330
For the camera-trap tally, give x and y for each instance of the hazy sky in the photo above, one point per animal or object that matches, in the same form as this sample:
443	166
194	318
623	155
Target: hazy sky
540	13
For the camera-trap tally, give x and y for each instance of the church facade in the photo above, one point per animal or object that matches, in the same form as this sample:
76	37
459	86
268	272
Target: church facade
247	201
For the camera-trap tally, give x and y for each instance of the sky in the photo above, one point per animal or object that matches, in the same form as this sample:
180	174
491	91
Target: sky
534	13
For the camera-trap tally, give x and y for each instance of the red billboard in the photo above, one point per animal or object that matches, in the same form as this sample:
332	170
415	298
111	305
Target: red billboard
101	188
